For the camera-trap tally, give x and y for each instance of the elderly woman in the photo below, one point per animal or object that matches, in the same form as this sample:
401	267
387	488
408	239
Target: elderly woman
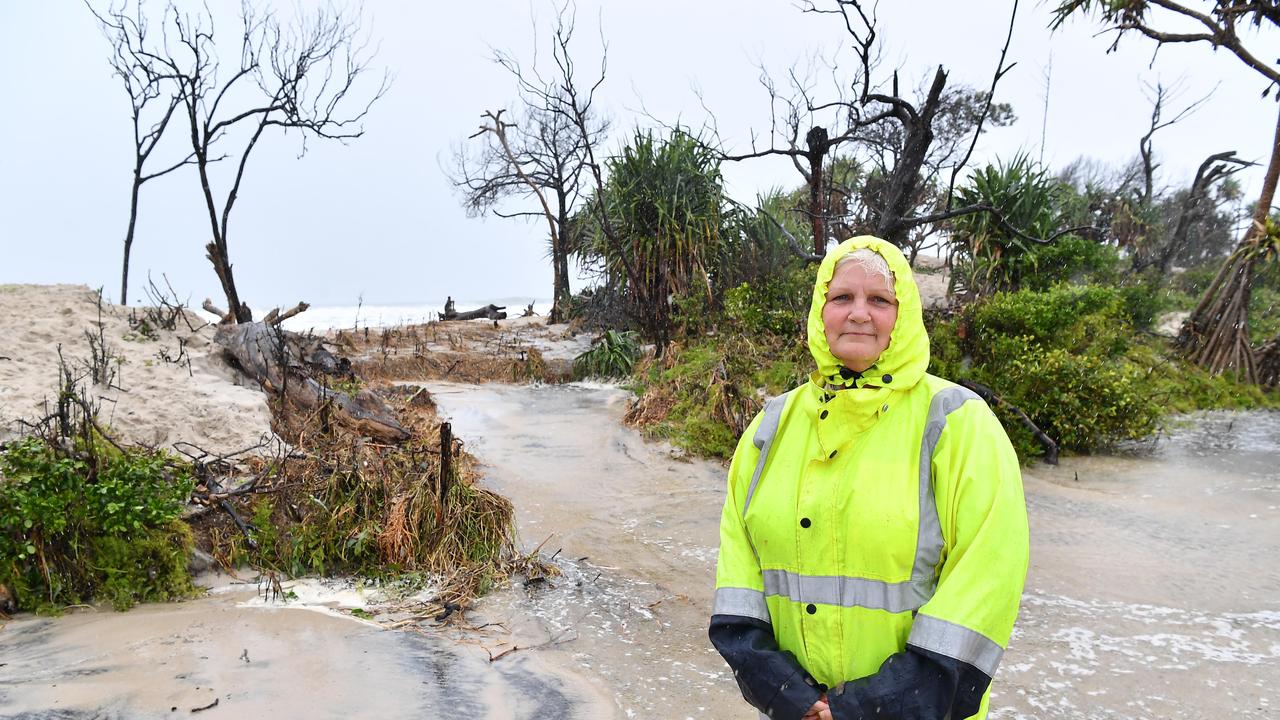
873	544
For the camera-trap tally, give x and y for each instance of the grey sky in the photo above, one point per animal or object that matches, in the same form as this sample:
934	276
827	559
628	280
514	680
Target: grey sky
377	218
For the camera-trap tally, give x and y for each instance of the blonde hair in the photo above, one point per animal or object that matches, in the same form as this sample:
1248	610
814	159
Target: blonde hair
872	262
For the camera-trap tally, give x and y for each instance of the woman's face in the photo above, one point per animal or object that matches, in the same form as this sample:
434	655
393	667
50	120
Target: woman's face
859	315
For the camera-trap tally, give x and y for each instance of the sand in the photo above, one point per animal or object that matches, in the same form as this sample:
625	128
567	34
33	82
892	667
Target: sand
151	401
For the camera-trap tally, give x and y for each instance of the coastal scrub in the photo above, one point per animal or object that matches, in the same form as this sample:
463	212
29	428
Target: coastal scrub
79	524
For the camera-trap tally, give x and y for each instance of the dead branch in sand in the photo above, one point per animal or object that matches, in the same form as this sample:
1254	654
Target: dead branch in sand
275	317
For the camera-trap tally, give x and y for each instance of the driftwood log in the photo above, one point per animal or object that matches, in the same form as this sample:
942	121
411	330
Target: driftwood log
284	362
489	312
275	317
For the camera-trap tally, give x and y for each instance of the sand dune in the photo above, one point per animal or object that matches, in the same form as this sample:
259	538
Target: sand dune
152	400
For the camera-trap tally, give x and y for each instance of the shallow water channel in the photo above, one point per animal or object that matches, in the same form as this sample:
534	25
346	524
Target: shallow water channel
1154	588
1154	592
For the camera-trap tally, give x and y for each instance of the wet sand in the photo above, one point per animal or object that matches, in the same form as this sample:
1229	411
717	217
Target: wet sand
634	530
1153	590
1153	593
251	659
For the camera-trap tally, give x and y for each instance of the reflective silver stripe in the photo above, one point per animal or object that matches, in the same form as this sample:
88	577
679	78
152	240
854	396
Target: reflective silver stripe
862	592
742	602
763	440
956	641
929	540
848	591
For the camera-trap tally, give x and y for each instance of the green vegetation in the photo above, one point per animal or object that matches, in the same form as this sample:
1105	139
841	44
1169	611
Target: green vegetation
664	199
84	520
376	511
705	392
613	356
91	523
1074	360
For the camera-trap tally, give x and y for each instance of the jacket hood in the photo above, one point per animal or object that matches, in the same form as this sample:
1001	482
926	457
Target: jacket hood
904	362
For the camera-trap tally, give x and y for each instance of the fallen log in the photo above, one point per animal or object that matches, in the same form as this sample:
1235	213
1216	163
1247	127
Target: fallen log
992	399
489	312
284	362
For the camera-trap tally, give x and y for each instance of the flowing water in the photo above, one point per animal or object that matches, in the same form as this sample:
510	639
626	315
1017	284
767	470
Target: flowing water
1153	593
1154	588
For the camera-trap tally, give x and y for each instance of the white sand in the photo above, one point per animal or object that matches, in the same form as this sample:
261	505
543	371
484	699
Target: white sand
932	277
156	403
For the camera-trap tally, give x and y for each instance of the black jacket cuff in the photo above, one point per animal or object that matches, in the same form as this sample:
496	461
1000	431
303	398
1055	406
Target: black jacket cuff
770	679
916	684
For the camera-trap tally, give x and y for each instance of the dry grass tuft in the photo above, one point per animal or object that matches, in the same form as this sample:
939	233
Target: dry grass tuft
340	503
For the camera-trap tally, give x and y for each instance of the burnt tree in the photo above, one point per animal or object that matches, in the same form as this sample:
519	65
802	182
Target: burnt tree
885	130
152	103
538	156
540	152
304	75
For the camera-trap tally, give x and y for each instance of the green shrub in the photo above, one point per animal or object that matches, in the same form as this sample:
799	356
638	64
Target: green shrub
1068	259
1264	307
1078	318
71	532
709	391
1059	356
1070	359
776	306
1194	281
1144	301
1084	402
613	356
151	566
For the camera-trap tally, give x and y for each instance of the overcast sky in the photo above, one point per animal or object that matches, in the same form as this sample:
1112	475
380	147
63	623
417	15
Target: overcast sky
377	218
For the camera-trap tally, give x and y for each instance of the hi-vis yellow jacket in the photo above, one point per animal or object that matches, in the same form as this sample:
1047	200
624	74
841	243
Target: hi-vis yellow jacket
872	518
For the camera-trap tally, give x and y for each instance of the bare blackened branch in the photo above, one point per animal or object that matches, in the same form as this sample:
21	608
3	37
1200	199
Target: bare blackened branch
306	73
147	83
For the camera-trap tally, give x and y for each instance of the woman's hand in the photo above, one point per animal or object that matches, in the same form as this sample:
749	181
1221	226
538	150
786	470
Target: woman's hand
819	711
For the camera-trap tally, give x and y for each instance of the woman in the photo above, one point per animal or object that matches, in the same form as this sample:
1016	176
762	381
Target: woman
873	544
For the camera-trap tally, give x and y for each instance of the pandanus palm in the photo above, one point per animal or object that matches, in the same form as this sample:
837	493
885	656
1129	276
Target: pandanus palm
665	198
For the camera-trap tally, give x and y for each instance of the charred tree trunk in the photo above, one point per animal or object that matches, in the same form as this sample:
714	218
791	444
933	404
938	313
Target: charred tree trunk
904	183
818	143
284	362
128	235
560	263
1192	210
1216	335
